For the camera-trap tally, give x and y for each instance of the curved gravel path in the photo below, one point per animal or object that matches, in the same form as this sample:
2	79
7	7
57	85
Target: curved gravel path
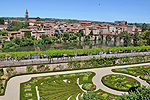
13	86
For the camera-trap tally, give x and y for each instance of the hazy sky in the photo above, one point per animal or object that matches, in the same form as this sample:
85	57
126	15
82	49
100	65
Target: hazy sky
96	10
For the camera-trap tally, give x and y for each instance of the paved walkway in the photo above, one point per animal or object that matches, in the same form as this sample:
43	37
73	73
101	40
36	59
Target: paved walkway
13	87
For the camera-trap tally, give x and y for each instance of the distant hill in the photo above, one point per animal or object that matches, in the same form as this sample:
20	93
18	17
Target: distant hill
60	20
52	19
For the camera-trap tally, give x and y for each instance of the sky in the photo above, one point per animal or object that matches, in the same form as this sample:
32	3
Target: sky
93	10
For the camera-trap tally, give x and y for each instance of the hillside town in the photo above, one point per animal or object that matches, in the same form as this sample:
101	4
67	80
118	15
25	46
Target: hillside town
37	28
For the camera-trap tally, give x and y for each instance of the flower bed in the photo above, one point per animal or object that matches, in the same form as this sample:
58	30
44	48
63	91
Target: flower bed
89	86
56	86
135	71
142	71
120	82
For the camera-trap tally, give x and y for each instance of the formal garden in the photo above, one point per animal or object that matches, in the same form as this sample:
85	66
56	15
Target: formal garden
61	87
142	71
120	82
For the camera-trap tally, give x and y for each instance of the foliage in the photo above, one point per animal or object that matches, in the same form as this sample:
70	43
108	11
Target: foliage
90	96
27	34
141	93
14	25
1	21
136	38
127	41
144	38
10	70
91	33
41	19
59	52
29	68
3	33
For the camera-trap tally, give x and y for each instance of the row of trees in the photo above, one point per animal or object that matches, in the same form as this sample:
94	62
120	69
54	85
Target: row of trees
29	40
15	26
142	39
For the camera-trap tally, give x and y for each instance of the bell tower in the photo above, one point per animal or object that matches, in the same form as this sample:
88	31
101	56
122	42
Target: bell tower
26	14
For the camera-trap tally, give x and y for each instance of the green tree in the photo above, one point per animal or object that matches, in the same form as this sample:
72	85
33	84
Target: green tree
66	35
57	34
1	21
136	38
29	68
74	37
144	38
130	24
141	93
17	40
91	33
127	41
81	32
27	34
40	19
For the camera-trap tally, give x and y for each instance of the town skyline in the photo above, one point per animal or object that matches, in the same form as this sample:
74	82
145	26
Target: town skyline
103	11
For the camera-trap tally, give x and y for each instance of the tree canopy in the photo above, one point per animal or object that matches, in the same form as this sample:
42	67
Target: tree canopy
1	21
144	38
141	93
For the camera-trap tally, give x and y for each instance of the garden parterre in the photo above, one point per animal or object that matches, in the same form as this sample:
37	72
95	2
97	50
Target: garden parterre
142	71
120	82
60	87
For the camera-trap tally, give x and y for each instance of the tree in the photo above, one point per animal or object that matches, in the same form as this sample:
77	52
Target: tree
66	35
136	38
41	67
57	34
17	40
27	34
141	93
1	21
47	68
26	24
144	38
130	24
29	68
145	27
40	19
91	33
81	32
74	37
127	40
10	70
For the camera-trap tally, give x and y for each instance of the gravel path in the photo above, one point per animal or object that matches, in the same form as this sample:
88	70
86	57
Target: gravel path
13	86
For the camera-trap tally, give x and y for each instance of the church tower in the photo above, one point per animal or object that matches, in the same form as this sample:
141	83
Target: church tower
26	14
